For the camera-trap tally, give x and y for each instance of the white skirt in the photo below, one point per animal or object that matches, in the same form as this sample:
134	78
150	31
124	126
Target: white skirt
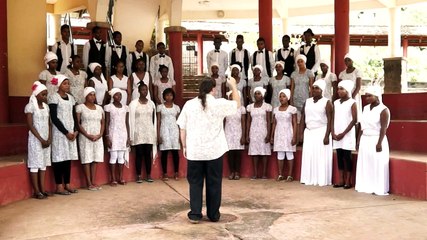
316	165
372	175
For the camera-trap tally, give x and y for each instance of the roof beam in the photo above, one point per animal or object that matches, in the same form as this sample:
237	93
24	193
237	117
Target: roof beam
388	3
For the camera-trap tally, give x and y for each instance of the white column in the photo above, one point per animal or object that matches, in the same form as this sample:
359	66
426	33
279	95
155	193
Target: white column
394	32
285	26
175	13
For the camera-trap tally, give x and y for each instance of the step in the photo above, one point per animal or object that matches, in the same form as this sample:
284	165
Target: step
407	135
13	139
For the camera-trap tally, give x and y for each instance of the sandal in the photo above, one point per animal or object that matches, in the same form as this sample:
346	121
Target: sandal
122	182
338	185
237	177
253	178
176	176
48	194
63	193
165	177
347	186
280	178
231	177
289	179
264	177
138	179
113	184
70	190
39	195
92	188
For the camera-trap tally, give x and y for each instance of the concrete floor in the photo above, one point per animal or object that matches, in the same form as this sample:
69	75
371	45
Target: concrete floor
260	209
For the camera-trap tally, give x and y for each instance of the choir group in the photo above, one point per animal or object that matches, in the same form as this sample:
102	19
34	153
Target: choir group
125	100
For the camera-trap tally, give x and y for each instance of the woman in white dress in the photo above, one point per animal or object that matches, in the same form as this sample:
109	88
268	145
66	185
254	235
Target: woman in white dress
219	81
51	61
258	80
64	134
39	138
121	81
316	163
355	75
117	133
258	131
241	83
160	84
78	79
278	82
168	132
372	175
91	123
142	129
330	79
235	129
141	75
98	82
343	132
284	133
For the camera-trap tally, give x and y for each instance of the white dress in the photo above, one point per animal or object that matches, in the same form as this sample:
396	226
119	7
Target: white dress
372	175
233	129
122	84
240	86
117	128
77	84
283	133
218	86
258	130
169	131
101	88
277	86
316	163
253	84
38	157
329	79
343	117
353	76
62	148
136	80
47	76
161	86
144	131
91	122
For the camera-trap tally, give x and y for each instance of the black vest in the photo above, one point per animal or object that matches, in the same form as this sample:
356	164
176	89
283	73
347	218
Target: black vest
245	60
144	58
115	58
289	61
96	55
267	61
59	55
311	56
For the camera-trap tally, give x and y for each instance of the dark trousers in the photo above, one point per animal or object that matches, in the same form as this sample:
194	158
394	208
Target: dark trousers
62	171
143	151
164	158
197	171
344	160
234	160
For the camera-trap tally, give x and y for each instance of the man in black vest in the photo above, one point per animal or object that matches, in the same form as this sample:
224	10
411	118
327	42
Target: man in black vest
311	51
287	55
264	58
240	55
64	49
115	53
138	53
94	51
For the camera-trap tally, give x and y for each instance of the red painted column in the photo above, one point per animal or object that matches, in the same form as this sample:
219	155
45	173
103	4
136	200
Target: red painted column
199	54
405	47
4	85
333	56
265	22
342	32
175	51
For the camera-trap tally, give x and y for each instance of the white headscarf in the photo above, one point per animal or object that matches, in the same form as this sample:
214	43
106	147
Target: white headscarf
287	93
324	62
214	64
375	90
348	55
58	79
281	63
37	88
49	56
300	56
261	90
259	67
113	91
235	66
93	65
348	85
321	84
87	91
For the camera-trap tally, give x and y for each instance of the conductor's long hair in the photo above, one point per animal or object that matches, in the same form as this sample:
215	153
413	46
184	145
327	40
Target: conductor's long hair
205	87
